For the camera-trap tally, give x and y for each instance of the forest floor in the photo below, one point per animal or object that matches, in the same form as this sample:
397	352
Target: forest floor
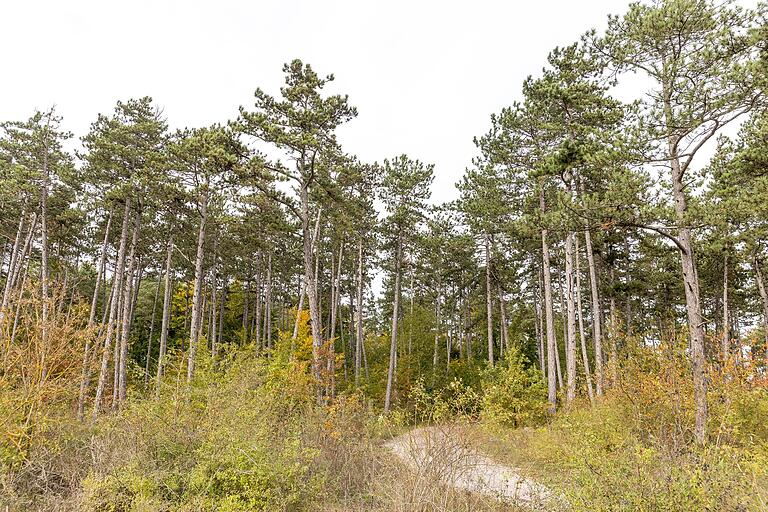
445	453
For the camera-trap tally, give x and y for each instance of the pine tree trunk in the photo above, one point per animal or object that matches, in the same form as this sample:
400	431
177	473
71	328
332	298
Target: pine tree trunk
44	267
9	278
268	303
597	333
100	275
539	327
613	356
437	331
122	383
488	297
359	311
214	313
246	317
152	330
504	342
764	299
117	282
570	345
395	315
166	316
579	309
256	317
311	288
197	294
689	271
692	297
726	346
549	315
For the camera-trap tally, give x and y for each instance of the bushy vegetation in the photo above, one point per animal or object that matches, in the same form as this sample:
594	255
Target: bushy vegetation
634	450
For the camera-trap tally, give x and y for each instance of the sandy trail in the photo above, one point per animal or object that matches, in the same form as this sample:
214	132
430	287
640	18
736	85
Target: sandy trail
441	453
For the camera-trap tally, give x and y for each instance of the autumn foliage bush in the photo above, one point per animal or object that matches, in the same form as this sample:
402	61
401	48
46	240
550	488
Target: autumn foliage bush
635	451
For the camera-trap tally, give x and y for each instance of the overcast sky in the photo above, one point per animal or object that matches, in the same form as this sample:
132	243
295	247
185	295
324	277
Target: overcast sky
424	75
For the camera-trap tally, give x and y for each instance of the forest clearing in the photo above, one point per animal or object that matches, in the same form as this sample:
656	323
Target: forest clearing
246	315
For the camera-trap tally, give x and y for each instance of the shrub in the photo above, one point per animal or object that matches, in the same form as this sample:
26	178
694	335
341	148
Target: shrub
514	393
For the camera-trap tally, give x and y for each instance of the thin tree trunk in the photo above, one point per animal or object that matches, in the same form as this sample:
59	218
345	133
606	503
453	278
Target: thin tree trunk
437	330
488	297
9	278
359	311
268	303
311	287
214	312
166	318
540	325
246	318
299	308
197	294
597	333
410	316
224	288
100	275
570	344
117	281
764	299
122	383
613	356
44	266
504	342
395	314
726	347
256	317
152	330
550	317
333	307
24	277
579	309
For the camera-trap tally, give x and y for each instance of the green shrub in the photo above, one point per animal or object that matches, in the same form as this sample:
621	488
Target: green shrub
514	393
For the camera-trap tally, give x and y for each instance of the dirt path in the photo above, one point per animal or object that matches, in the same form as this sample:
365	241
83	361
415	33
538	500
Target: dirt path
441	453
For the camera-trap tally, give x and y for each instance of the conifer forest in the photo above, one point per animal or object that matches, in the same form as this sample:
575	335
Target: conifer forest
247	316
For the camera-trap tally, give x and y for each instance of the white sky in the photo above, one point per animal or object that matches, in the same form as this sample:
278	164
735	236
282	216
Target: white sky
425	75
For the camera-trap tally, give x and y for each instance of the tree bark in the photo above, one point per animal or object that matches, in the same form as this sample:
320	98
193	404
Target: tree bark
122	382
539	326
395	315
166	318
570	344
726	345
152	330
311	288
584	356
197	294
359	311
597	333
488	297
437	330
9	278
548	313
44	266
100	275
268	303
764	299
117	281
504	342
